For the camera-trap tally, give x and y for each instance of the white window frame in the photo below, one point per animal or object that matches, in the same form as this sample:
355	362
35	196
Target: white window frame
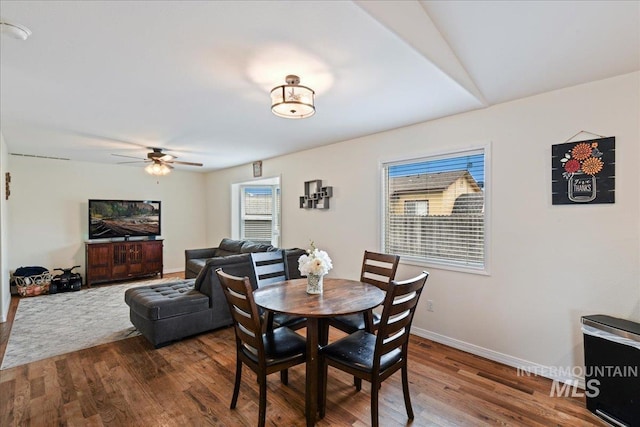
236	208
423	262
272	218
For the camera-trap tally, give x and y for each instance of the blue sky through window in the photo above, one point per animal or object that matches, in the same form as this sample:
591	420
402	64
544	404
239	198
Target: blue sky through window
266	190
473	163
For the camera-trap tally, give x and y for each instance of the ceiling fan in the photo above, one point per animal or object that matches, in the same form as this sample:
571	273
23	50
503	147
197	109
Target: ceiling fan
159	162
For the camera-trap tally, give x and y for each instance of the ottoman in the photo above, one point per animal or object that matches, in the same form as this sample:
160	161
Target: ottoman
167	312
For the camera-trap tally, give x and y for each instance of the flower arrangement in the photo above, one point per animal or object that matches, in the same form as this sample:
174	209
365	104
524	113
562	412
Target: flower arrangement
583	157
314	262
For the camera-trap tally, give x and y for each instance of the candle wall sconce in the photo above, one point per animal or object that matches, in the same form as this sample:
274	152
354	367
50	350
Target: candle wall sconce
315	195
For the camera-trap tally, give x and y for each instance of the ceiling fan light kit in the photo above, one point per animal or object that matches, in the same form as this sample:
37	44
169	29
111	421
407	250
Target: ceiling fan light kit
160	162
16	31
157	169
292	101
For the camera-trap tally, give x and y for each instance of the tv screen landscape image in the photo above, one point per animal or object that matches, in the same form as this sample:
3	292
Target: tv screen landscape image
123	218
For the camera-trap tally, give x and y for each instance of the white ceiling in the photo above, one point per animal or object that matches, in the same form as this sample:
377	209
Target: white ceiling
114	77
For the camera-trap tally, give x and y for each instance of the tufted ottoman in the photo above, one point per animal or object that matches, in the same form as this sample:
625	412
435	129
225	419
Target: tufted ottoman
169	311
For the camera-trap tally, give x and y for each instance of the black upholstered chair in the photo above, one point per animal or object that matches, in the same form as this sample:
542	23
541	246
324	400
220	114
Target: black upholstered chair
378	270
270	267
264	353
375	357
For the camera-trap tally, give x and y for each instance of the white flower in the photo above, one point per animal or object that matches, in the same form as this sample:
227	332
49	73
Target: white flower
314	262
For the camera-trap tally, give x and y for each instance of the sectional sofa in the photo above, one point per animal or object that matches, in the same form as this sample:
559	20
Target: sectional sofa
171	311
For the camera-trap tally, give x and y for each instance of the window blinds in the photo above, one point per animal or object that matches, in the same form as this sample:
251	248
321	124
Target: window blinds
434	209
257	213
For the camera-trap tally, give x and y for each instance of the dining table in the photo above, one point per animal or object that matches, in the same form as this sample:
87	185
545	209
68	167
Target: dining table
339	297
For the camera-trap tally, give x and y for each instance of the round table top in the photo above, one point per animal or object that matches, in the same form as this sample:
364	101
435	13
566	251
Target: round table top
339	297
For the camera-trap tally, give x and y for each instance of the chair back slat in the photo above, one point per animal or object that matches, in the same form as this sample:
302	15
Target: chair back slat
397	314
246	320
396	323
269	267
404	304
379	269
247	339
240	302
244	326
395	341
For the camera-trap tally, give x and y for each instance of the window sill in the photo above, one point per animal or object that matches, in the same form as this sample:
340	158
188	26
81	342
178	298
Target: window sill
433	265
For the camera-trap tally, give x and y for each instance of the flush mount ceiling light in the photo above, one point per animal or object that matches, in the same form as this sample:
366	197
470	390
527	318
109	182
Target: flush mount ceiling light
292	101
14	30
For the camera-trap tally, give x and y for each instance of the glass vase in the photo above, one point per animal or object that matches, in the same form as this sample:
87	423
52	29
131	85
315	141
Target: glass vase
314	283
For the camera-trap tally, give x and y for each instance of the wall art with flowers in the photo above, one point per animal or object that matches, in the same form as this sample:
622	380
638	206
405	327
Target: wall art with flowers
583	172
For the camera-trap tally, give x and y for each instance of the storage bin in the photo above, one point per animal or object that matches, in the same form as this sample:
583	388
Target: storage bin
29	286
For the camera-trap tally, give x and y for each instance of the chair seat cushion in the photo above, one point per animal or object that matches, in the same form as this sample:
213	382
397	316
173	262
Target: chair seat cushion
288	320
356	350
279	345
166	300
353	322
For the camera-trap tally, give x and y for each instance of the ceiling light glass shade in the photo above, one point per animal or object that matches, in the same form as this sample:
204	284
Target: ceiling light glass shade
292	101
157	169
16	31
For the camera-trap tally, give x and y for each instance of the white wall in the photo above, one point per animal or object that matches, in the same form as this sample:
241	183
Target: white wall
550	265
5	295
48	208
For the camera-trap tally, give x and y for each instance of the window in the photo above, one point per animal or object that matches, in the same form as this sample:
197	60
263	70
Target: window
434	210
416	207
259	213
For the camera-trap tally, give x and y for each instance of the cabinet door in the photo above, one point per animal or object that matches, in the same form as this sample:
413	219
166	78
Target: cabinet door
120	260
152	257
98	262
135	258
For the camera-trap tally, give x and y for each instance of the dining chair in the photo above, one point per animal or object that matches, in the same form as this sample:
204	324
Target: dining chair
378	270
270	267
264	353
375	357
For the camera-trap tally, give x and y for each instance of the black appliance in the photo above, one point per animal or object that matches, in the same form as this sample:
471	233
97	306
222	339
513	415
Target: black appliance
612	369
65	281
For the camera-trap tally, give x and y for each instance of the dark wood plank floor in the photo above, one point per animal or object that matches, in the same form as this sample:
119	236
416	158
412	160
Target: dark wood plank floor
189	383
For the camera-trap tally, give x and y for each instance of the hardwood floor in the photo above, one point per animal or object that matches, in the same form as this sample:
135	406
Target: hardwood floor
190	383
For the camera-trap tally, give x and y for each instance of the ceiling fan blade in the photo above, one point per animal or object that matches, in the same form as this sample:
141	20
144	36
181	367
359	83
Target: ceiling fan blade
135	161
130	157
184	163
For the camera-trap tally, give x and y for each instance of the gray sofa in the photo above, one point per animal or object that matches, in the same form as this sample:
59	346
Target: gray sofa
195	259
171	311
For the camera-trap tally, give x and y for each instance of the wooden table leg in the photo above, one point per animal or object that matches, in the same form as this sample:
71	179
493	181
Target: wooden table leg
323	334
311	392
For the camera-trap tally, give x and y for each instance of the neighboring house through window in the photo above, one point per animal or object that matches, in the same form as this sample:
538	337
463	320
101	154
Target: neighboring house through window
434	210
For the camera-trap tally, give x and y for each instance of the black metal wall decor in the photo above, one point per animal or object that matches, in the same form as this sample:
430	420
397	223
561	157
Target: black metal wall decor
315	195
583	172
7	186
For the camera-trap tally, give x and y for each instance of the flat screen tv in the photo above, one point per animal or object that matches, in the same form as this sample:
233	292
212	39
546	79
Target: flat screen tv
123	218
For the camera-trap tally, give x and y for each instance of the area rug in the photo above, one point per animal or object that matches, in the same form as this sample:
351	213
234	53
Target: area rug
49	325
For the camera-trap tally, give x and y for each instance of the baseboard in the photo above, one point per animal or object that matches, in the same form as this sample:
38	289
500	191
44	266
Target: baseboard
172	270
505	359
5	309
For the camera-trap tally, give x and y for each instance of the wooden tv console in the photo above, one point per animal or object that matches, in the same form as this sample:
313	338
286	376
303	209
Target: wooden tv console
122	260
